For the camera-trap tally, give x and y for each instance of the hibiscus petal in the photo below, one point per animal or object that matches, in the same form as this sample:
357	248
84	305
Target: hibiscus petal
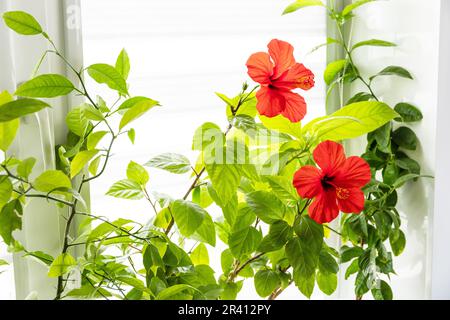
329	156
260	68
270	102
295	106
296	77
354	203
282	54
324	208
307	181
355	172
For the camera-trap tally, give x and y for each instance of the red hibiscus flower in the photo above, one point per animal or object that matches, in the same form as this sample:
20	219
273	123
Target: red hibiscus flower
336	186
278	74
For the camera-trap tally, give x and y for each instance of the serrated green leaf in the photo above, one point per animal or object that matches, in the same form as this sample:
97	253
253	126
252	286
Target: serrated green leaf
136	111
104	73
61	265
51	181
126	189
172	162
188	216
76	121
45	86
266	281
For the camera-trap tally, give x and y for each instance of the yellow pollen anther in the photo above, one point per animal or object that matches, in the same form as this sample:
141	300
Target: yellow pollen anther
342	193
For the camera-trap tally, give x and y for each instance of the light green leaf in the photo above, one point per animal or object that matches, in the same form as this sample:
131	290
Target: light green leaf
19	108
398	241
393	70
3	262
351	121
6	189
126	189
93	166
188	216
266	206
136	111
92	113
40	256
374	42
206	232
332	69
8	130
225	179
244	241
25	167
349	8
173	292
266	281
131	135
80	160
52	180
283	188
408	112
172	162
76	121
94	138
282	124
131	102
22	23
301	4
10	220
45	86
200	255
135	283
206	135
104	73
279	233
61	265
327	282
123	64
137	173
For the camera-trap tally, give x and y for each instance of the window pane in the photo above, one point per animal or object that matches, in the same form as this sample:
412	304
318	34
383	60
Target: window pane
181	53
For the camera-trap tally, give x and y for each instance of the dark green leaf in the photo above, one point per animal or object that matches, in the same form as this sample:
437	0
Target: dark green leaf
266	206
279	233
405	138
266	281
244	241
383	291
393	70
374	42
397	240
408	112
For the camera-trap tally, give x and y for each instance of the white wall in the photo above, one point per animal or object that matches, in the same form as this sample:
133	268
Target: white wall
414	26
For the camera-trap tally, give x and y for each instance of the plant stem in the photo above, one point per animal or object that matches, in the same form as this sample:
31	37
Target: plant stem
239	268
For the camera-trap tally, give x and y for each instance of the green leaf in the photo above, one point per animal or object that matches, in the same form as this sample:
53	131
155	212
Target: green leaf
279	233
405	138
408	112
22	23
104	73
6	189
245	123
383	291
311	233
282	124
61	265
282	187
3	262
41	256
126	189
332	69
349	8
8	130
45	86
393	70
352	269
131	135
172	162
51	181
374	42
403	179
244	241
207	134
360	96
200	255
10	220
188	216
348	253
266	281
19	108
173	292
151	257
135	112
398	241
327	282
76	121
92	113
93	166
80	160
301	4
351	121
225	179
131	102
137	173
327	264
94	138
266	206
123	64
135	283
206	232
25	167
